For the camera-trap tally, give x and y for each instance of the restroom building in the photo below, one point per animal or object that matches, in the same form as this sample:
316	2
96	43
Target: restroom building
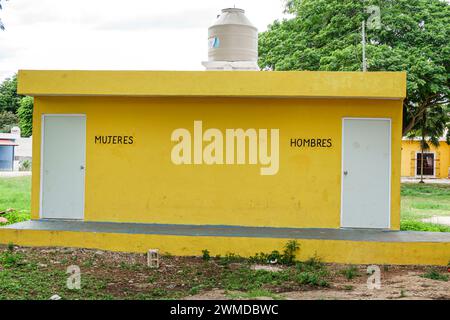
229	161
239	162
276	149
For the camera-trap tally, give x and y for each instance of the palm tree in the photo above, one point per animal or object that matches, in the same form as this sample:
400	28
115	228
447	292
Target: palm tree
434	124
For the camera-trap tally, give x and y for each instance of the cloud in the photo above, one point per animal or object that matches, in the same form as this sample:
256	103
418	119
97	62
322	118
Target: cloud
189	19
115	34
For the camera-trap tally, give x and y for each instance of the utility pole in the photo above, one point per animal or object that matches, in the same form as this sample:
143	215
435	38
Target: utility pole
364	62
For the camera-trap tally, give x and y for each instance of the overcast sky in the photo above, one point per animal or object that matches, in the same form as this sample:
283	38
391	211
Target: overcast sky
113	34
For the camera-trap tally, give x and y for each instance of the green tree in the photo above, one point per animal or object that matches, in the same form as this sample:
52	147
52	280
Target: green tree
9	99
414	35
25	114
7	121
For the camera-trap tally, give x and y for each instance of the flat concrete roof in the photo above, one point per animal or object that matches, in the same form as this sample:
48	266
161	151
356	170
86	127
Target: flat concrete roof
262	84
233	231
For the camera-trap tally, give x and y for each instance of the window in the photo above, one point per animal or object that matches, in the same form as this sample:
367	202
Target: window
428	164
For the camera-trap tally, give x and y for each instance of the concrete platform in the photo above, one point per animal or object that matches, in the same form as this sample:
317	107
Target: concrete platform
332	245
233	231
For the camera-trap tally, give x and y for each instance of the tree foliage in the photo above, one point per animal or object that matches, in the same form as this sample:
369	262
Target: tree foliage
2	26
7	121
25	114
414	35
9	99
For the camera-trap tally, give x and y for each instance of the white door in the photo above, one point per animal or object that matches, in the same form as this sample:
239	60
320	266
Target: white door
63	162
366	172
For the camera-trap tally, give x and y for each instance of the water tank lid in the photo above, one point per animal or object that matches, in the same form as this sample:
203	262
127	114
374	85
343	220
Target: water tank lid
233	16
233	10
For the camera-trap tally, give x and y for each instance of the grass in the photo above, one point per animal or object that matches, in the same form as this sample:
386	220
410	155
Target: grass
419	201
433	274
15	194
32	273
252	294
21	279
350	272
424	200
414	225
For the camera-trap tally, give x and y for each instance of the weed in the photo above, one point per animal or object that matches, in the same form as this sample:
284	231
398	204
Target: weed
287	257
256	293
313	263
195	290
312	278
350	272
273	257
230	258
433	274
290	250
205	255
158	292
349	287
11	259
247	279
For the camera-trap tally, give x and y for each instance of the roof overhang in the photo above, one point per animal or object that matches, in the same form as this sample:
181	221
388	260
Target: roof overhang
5	142
254	84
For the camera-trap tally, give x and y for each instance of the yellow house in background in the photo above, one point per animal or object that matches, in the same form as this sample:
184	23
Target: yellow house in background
436	159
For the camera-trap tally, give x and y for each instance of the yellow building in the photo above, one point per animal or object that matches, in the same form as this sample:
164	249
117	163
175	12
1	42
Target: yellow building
436	159
225	161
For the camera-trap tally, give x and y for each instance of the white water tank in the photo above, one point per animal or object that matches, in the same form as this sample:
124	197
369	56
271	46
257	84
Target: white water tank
233	42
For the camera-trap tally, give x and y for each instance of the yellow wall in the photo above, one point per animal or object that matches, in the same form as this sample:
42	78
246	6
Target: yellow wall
442	158
139	183
335	251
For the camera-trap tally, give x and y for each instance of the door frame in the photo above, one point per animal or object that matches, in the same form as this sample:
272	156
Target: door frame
41	170
434	165
342	165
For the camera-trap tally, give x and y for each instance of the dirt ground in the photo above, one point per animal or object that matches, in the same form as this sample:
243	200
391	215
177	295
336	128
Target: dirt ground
126	276
405	283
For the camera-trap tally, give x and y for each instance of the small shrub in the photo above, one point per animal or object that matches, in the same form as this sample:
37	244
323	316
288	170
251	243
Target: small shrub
14	216
151	279
158	292
287	257
350	272
312	272
289	253
247	279
273	257
312	278
435	275
313	263
25	165
230	258
10	259
205	255
195	290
